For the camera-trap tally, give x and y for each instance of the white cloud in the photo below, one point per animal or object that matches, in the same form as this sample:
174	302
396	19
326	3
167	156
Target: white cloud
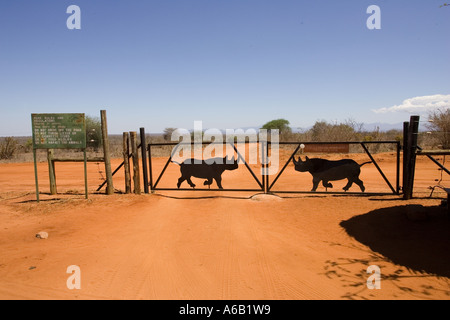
419	104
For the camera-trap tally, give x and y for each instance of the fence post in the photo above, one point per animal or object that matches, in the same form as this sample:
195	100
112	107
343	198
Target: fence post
126	162
106	155
405	159
135	154
144	159
411	147
51	171
412	137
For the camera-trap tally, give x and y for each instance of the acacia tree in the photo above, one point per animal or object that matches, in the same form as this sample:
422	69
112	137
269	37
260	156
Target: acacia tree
281	124
439	125
167	134
346	131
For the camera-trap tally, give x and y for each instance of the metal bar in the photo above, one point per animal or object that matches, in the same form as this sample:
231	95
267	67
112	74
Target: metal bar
85	175
412	147
162	172
167	163
405	157
438	164
248	167
115	171
378	168
77	160
339	193
432	152
397	176
284	167
340	142
280	143
267	165
191	189
150	167
144	159
264	187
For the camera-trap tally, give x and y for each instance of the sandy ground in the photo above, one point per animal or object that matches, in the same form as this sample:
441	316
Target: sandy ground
230	245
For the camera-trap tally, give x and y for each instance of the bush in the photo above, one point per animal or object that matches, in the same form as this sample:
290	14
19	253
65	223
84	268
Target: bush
347	131
8	148
439	125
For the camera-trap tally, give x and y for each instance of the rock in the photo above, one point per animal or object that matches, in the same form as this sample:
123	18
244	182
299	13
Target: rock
265	197
42	235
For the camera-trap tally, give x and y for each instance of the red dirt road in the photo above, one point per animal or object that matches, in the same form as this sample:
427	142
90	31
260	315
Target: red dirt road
209	245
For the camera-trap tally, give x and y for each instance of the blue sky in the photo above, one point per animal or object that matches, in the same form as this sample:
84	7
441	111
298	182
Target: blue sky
229	63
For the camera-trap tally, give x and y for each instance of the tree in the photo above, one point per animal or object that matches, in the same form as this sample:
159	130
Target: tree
8	147
439	125
281	124
167	134
323	131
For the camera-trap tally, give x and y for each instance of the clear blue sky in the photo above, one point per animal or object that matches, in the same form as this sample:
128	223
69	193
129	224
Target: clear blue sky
229	63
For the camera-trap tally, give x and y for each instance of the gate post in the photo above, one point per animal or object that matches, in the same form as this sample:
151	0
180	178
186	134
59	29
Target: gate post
405	159
136	175
106	155
126	162
51	171
413	132
144	159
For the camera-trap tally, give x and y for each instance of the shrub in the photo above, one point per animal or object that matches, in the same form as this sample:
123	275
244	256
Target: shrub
8	148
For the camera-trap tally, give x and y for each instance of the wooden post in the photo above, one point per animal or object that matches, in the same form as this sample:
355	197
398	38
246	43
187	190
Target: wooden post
51	171
35	172
135	154
106	155
144	159
85	174
126	162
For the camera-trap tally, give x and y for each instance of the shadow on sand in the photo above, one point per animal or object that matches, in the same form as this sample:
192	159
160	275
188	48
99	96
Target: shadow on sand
413	236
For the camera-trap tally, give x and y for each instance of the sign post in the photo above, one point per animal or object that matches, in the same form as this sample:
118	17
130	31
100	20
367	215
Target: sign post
59	131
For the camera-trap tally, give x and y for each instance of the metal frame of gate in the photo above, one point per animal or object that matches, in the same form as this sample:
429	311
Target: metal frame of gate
265	184
154	186
394	190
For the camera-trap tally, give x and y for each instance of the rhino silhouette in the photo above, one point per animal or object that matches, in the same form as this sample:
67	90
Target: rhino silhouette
328	170
210	169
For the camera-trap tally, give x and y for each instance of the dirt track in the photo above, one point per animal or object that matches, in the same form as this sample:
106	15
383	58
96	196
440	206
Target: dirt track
208	245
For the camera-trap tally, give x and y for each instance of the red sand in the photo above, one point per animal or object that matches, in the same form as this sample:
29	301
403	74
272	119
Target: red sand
210	245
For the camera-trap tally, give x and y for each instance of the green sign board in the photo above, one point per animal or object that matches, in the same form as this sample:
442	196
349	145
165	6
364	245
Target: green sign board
58	130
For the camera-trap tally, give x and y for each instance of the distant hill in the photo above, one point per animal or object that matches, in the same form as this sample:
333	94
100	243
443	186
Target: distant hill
383	126
366	127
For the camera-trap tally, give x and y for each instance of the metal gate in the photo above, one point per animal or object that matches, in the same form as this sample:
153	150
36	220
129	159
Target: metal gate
264	182
394	187
154	186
